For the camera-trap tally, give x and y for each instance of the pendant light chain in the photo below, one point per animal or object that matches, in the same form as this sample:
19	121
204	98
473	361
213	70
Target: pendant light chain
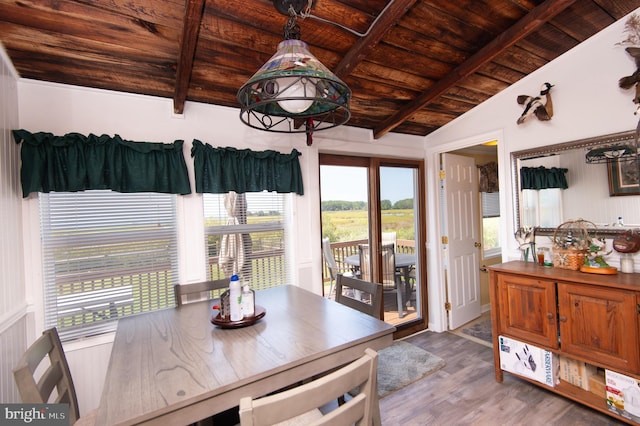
304	12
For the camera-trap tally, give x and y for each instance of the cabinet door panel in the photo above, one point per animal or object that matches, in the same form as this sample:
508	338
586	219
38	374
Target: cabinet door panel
528	309
599	324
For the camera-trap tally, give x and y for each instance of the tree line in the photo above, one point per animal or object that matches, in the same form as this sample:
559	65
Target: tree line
337	205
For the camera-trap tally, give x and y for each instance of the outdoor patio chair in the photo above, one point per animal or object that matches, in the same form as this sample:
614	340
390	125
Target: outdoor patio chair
389	238
391	278
332	265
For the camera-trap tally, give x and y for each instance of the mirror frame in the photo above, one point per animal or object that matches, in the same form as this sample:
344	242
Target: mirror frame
598	141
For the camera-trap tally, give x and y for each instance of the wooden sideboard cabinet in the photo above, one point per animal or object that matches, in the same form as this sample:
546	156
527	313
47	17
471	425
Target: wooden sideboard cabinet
591	318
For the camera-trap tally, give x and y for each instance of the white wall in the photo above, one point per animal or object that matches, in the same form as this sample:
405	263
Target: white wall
587	102
13	304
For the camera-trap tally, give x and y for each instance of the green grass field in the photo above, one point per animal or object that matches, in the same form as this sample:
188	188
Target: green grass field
353	225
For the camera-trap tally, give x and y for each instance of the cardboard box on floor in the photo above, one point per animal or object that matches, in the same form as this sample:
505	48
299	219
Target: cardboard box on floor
529	361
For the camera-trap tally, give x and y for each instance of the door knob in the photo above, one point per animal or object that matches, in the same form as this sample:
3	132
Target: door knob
478	245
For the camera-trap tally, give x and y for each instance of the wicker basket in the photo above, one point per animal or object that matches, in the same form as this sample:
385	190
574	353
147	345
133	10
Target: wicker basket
571	241
568	258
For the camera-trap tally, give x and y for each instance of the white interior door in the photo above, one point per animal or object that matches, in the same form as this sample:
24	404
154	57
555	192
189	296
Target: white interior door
460	185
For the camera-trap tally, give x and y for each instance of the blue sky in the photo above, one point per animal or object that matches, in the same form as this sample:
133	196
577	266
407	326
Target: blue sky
350	183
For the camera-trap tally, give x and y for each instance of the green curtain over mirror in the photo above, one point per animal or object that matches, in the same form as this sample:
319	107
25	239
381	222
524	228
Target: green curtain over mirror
543	178
75	162
221	170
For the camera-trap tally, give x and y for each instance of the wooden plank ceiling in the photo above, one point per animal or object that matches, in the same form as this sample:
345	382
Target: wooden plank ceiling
413	65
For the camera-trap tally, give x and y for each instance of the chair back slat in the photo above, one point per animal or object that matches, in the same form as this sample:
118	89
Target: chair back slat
194	292
355	293
286	406
39	390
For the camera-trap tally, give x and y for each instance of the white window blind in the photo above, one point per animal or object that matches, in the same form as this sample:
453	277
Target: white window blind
490	224
106	255
247	237
490	204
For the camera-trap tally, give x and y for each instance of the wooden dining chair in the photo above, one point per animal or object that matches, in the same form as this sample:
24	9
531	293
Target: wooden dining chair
355	293
300	405
195	292
39	389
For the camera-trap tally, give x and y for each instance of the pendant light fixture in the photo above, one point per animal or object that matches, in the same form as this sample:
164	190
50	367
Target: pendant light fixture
294	92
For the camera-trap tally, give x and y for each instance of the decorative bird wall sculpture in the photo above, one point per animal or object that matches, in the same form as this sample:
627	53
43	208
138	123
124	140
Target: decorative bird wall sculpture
540	106
628	81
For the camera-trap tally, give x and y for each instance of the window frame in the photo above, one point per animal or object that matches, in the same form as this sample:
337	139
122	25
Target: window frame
532	207
100	286
255	229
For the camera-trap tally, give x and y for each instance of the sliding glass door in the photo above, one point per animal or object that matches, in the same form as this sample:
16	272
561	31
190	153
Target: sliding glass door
371	211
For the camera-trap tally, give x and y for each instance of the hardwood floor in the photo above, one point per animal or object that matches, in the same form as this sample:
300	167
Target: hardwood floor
465	392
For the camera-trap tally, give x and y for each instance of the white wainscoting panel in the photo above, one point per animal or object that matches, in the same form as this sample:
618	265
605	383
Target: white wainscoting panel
13	322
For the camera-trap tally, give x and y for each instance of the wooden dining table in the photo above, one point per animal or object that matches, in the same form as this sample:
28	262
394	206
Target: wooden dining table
174	366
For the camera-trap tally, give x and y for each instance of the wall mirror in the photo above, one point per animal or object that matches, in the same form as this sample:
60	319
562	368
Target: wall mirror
592	194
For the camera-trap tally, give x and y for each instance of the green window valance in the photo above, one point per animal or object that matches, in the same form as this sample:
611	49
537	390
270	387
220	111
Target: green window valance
221	170
543	178
75	162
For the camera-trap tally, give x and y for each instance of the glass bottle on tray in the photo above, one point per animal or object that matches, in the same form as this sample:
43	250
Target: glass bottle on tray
248	302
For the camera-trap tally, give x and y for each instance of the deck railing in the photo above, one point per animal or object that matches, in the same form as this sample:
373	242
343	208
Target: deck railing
264	270
145	286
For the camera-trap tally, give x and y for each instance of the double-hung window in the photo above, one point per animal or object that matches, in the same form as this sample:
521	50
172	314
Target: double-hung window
542	207
490	224
106	255
245	235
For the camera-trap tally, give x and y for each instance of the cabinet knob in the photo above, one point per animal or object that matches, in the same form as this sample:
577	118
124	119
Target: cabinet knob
563	318
549	315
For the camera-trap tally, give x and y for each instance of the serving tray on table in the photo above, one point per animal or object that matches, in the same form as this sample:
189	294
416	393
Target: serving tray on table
244	322
605	271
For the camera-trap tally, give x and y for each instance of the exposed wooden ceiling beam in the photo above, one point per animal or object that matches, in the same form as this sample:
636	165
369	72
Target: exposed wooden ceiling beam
365	45
525	26
192	19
